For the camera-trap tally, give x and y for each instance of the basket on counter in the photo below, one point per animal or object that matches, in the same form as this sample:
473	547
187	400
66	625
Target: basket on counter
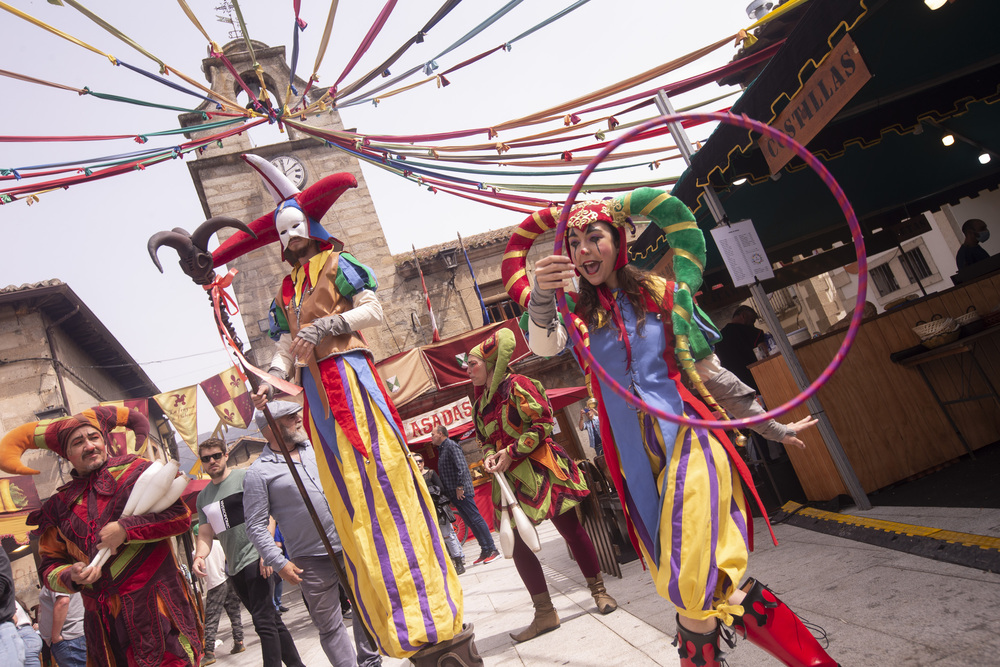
940	339
937	325
970	316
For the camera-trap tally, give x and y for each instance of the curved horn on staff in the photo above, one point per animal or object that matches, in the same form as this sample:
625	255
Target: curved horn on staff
180	242
203	233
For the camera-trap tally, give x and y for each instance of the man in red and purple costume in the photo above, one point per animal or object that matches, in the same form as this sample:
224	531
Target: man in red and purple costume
139	610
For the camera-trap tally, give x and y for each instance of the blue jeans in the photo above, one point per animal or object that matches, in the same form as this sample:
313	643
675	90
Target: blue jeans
32	646
469	512
451	540
71	652
11	645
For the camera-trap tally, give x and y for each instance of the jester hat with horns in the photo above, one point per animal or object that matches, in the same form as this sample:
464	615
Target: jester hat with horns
54	434
295	214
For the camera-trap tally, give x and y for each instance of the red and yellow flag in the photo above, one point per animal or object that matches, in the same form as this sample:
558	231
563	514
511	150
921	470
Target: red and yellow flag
122	439
181	408
229	396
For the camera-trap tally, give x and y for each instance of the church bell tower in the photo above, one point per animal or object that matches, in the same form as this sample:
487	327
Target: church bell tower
227	186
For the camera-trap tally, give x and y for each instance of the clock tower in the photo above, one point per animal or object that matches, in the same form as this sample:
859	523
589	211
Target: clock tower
227	186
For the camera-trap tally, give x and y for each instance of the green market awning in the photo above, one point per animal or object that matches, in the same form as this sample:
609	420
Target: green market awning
933	73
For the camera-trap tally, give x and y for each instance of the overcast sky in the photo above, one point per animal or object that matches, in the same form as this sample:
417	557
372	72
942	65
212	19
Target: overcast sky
93	236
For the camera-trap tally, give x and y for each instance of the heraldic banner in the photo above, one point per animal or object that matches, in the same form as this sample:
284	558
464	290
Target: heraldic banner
122	439
405	376
181	408
229	396
448	360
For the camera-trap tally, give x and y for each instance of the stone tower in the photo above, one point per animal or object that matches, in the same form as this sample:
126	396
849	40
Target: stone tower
227	186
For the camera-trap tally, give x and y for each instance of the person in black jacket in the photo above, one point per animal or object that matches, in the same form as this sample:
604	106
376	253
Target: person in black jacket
445	515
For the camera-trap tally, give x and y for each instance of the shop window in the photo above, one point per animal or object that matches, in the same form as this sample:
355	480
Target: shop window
916	266
885	281
498	303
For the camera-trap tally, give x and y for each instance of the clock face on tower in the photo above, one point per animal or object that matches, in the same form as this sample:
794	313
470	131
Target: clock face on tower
293	169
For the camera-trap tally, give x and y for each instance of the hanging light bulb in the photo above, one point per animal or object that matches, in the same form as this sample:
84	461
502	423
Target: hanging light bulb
984	158
948	139
935	4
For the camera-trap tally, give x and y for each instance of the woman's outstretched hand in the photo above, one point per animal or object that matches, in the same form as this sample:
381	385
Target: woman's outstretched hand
553	272
797	427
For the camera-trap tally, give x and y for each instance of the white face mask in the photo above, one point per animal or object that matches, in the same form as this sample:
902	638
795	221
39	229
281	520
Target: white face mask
290	222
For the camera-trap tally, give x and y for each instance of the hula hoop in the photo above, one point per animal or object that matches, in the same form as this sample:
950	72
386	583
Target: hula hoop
845	206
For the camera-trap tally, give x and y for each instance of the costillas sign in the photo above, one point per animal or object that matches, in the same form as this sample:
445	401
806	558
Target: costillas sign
842	74
450	416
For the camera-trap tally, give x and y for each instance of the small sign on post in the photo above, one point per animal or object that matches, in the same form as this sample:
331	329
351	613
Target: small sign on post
743	253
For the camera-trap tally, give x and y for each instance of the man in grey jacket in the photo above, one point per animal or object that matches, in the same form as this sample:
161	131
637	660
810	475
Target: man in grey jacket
270	490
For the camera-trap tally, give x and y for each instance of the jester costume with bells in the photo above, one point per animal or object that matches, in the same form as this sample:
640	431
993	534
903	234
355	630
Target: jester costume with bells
401	574
513	414
680	486
140	611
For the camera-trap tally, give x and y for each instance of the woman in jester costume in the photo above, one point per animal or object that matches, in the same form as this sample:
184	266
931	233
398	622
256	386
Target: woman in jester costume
680	486
514	424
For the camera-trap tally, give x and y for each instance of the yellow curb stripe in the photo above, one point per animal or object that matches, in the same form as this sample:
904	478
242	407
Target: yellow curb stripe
950	536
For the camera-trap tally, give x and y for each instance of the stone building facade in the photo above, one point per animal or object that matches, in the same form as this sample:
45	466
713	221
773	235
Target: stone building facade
56	359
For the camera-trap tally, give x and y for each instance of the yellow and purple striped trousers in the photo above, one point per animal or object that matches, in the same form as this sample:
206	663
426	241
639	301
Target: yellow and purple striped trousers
703	528
397	564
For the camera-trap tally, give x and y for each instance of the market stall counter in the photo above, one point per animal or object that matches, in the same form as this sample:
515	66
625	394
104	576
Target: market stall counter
897	420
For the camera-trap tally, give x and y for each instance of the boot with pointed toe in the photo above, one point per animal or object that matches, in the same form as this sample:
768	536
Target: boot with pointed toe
771	625
546	619
605	603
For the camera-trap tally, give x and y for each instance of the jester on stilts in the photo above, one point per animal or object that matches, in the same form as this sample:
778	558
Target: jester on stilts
681	487
405	582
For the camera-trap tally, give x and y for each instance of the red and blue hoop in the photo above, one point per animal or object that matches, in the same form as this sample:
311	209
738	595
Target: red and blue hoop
845	207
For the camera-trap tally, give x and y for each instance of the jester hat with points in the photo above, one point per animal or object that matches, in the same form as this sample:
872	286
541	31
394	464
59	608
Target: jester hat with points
54	434
313	202
495	352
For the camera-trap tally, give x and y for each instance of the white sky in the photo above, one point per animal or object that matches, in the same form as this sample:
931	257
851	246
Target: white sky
93	236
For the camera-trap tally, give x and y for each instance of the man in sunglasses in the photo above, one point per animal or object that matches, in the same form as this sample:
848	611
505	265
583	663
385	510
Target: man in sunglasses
220	514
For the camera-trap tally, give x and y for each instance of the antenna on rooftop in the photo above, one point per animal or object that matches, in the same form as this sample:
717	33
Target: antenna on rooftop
227	8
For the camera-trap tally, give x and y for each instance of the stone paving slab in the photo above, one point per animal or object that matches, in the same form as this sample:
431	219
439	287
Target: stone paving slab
878	607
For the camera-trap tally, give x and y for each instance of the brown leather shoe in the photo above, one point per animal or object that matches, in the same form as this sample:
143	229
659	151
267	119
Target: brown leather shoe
605	603
546	619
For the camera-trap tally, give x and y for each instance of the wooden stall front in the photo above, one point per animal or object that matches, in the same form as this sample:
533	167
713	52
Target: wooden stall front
886	416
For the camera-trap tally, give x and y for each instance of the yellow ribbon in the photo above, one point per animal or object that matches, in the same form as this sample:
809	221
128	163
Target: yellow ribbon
55	31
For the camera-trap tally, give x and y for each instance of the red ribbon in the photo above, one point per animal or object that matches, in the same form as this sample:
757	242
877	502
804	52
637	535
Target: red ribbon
218	289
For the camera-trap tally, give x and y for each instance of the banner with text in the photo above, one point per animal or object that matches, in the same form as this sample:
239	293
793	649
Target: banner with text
456	417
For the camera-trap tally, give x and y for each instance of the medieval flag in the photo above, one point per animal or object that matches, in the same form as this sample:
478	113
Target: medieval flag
229	396
181	407
448	360
435	336
475	283
123	439
405	376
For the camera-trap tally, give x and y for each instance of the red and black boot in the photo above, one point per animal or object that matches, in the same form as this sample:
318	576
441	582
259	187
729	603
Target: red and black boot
771	625
697	649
